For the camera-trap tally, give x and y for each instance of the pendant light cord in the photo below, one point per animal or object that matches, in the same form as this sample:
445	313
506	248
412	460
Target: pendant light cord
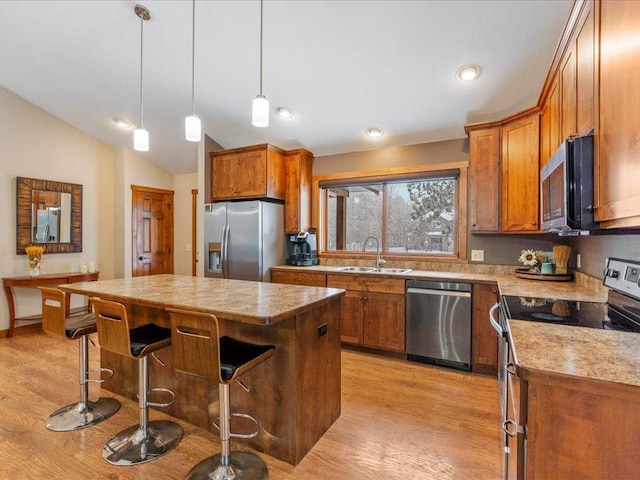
261	15
193	60
141	70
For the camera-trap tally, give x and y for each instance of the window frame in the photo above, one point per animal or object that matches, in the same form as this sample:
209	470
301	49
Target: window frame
460	169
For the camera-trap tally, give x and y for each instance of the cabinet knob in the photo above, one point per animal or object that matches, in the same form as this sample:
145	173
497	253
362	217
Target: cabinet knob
534	223
140	258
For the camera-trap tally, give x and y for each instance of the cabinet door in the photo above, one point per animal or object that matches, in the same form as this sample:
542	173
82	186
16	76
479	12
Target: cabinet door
568	95
298	191
252	171
224	182
585	58
484	342
484	163
617	164
550	125
383	319
520	175
351	317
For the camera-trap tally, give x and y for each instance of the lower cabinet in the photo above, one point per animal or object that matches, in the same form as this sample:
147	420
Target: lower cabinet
484	341
373	310
310	279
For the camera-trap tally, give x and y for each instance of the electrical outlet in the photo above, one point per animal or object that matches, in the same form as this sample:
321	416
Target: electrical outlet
578	261
322	330
477	255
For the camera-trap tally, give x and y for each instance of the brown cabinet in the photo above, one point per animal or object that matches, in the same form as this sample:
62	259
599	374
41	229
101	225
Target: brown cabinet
297	209
310	279
484	173
373	310
484	341
568	120
550	125
250	172
617	141
585	71
520	174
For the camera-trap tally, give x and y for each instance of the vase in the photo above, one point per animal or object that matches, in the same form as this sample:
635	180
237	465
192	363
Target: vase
34	271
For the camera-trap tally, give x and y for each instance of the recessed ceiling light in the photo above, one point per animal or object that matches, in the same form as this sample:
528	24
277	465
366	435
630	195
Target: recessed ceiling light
374	132
468	73
284	112
122	123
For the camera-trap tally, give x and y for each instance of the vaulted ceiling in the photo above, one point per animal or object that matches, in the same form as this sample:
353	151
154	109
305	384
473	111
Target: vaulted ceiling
341	66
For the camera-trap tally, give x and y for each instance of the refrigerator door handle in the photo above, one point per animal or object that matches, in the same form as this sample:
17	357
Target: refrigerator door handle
225	258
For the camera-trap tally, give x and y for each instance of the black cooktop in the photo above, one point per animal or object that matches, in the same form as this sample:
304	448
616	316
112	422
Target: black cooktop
571	313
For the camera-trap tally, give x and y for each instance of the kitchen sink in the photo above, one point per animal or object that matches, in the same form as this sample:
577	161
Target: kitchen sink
356	269
373	270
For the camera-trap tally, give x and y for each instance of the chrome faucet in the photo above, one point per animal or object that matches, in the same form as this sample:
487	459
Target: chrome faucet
379	261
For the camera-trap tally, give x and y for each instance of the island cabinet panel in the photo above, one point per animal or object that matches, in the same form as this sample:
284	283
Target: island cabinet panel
373	310
520	174
484	166
250	172
574	430
297	207
618	142
484	341
310	279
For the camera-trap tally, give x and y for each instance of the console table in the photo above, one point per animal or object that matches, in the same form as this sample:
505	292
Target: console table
40	280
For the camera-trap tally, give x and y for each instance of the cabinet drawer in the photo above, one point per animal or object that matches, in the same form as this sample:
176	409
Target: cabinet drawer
311	279
366	283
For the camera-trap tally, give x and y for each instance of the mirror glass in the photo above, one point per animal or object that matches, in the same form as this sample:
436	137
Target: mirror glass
48	213
51	217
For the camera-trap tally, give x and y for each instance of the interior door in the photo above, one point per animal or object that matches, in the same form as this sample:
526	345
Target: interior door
152	231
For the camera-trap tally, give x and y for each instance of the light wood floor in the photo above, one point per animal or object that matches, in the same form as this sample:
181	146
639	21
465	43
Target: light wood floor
400	420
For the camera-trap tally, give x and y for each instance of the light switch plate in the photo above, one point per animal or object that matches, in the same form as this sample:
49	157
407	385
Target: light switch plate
477	255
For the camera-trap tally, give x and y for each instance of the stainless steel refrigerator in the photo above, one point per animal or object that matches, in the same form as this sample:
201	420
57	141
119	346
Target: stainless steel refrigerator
243	240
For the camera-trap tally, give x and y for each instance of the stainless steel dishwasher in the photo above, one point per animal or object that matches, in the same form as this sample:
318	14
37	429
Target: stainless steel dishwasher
439	323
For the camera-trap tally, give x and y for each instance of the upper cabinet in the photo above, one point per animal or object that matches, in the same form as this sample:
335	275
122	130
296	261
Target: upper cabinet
550	124
250	172
298	190
520	175
618	133
504	171
484	174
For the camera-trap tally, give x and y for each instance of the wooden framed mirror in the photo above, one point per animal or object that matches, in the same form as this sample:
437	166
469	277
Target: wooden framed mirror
50	214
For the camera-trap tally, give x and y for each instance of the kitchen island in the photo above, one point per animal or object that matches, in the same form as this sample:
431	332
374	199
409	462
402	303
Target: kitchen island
295	395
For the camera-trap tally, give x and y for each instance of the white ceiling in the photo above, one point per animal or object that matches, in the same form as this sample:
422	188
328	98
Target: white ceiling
342	66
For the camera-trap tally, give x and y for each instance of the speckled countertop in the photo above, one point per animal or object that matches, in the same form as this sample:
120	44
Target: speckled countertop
250	302
580	352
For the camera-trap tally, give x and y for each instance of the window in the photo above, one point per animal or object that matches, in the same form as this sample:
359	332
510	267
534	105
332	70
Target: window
411	214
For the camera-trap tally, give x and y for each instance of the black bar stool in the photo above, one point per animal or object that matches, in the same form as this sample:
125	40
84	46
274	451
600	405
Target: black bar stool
54	321
149	440
199	350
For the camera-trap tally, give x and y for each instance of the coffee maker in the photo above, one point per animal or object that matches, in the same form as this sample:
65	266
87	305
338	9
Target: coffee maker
302	249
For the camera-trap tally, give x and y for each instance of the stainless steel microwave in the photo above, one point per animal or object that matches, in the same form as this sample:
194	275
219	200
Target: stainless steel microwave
566	188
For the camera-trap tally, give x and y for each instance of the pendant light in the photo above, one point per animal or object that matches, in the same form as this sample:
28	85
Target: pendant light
260	110
141	135
192	125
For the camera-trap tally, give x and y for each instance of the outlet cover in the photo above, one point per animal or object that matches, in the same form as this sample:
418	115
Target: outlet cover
477	255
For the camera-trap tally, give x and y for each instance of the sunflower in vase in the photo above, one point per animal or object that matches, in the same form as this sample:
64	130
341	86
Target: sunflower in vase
532	259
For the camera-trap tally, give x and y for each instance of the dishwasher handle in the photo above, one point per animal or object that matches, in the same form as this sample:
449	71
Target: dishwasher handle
439	293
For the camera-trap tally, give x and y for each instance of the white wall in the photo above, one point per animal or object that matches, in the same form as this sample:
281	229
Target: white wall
35	144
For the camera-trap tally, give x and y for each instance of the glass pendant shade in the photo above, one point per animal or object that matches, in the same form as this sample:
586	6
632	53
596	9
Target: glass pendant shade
260	112
141	139
192	128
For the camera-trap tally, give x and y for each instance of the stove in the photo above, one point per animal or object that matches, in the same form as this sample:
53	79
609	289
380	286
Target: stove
620	312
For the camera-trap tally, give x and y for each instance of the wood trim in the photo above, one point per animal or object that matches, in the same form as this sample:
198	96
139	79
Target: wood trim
194	224
391	171
152	190
563	44
251	148
501	123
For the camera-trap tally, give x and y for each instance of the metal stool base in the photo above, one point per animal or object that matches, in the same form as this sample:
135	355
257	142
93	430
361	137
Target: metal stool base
242	466
82	415
133	445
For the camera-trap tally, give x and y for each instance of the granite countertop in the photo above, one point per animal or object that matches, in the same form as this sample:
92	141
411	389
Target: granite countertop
250	302
583	353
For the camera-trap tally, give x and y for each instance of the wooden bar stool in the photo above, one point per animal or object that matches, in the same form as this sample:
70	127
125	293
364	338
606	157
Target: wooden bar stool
148	440
199	350
54	321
